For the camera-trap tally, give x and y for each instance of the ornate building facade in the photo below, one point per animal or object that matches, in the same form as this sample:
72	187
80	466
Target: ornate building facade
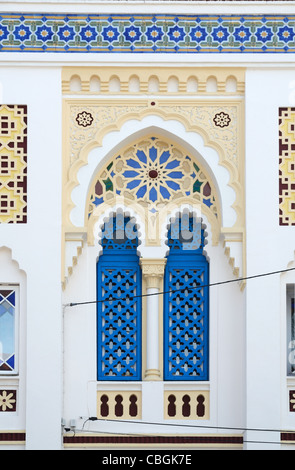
147	296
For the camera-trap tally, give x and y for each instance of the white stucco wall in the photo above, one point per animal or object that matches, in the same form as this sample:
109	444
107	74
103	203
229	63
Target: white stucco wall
269	248
36	247
57	379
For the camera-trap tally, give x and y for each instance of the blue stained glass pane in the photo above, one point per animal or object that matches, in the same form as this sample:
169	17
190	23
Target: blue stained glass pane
153	153
175	174
153	194
141	192
7	328
132	184
141	156
164	157
165	193
130	174
98	200
11	361
207	202
171	165
133	163
173	185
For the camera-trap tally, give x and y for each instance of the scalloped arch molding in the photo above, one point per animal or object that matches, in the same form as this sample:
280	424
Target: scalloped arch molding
133	130
116	124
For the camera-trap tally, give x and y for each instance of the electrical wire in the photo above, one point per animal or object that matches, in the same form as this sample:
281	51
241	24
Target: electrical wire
242	429
189	289
195	426
116	433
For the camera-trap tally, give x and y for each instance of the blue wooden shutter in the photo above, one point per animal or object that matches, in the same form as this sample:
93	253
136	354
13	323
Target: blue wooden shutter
186	303
119	303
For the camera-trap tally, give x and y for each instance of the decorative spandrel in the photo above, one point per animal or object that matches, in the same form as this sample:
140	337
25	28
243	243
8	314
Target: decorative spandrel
153	172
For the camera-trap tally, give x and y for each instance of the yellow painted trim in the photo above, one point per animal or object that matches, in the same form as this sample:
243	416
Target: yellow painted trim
143	74
125	394
116	112
193	394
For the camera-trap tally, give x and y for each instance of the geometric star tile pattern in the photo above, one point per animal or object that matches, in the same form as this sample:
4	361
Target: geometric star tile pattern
13	164
287	166
153	172
146	33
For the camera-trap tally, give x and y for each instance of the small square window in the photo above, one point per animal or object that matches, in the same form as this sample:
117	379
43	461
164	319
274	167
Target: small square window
8	329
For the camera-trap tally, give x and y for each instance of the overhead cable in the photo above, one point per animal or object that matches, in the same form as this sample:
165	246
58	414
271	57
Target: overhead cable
187	289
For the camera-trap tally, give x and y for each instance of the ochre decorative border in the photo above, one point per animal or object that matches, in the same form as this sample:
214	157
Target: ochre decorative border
160	80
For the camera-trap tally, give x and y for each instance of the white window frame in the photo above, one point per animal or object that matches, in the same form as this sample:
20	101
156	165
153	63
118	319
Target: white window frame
16	288
290	294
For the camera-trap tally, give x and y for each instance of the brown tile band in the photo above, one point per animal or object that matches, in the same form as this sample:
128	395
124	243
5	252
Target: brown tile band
237	440
12	437
287	436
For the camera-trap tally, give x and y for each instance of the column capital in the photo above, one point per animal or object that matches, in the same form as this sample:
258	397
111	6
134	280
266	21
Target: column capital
153	271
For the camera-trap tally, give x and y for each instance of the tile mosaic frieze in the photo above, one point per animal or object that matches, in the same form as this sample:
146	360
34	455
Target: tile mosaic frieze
13	164
146	33
287	166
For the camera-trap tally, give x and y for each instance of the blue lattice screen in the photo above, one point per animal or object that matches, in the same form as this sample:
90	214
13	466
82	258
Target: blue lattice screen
186	305
119	302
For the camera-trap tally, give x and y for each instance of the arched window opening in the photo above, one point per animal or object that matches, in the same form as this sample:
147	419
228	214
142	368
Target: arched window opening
186	302
119	301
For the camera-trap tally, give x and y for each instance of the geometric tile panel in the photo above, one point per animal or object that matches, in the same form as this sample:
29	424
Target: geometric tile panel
13	164
287	166
35	32
7	400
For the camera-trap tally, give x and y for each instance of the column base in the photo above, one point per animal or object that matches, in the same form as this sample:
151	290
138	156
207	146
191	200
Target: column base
152	374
